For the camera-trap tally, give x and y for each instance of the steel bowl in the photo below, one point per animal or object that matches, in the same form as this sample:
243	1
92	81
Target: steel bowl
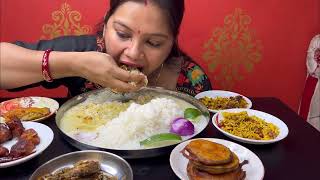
111	96
109	163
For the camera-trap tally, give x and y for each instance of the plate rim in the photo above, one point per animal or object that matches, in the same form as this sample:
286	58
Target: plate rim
247	140
213	140
55	107
224	91
39	151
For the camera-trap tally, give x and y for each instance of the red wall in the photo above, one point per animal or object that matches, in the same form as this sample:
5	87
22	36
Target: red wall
280	32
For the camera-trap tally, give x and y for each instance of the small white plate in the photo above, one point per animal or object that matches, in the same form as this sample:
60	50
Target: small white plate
283	129
220	93
45	134
254	169
32	101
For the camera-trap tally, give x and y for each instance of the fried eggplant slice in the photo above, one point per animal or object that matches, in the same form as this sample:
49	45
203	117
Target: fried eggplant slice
218	169
207	152
195	174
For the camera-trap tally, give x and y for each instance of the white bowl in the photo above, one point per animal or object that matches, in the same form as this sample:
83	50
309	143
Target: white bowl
220	93
283	129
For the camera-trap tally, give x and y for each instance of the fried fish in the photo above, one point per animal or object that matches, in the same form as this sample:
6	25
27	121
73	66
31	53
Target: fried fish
27	114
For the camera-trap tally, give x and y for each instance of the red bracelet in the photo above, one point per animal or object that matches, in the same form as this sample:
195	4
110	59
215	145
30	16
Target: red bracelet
45	66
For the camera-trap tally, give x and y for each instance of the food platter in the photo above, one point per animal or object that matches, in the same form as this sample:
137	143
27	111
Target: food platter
29	102
110	96
110	163
222	94
254	169
283	129
46	136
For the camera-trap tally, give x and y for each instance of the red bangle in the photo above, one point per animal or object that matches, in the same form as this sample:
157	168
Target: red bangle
45	66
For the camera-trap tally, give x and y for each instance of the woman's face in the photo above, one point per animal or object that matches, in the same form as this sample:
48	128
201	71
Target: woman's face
138	35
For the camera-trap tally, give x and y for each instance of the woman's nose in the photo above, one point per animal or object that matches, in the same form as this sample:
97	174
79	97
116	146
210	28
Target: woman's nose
134	50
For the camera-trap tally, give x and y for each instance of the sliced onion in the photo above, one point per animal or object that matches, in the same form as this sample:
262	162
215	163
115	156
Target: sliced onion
182	127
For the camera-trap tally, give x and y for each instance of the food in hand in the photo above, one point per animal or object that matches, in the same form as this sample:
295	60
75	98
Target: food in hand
209	160
132	70
27	114
85	169
251	127
5	133
219	103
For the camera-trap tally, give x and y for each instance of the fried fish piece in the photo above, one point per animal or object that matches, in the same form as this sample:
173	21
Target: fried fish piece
218	169
207	152
27	114
195	174
30	135
3	151
15	126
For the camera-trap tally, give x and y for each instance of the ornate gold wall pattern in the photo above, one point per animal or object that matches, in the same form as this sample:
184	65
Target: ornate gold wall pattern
232	50
66	22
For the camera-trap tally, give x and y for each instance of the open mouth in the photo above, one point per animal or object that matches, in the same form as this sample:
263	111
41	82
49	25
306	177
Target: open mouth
130	68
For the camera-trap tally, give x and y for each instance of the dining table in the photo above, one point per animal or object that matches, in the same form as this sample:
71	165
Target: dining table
295	157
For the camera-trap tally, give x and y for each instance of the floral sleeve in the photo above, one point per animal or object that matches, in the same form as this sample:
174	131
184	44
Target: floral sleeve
192	79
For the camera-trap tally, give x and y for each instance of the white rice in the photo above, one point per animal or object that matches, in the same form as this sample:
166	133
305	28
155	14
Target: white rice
137	123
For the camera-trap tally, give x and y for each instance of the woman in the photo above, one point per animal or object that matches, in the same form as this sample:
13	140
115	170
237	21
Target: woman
141	34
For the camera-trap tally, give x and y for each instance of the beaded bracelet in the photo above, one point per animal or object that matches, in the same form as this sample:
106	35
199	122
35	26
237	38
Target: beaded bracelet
45	66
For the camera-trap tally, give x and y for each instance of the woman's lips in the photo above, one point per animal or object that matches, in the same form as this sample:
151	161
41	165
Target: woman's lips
132	64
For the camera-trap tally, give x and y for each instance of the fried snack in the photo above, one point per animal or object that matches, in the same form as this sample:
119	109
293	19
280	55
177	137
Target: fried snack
4	152
207	152
5	133
22	148
30	135
218	169
27	114
15	126
196	174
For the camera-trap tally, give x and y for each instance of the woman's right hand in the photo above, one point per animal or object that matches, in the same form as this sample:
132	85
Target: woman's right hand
102	69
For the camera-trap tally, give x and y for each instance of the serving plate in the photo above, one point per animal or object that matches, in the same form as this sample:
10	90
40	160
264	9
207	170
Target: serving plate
109	163
220	93
32	101
45	134
254	169
106	95
283	129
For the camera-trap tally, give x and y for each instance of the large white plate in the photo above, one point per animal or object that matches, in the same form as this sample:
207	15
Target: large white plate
218	117
31	101
45	134
254	169
220	93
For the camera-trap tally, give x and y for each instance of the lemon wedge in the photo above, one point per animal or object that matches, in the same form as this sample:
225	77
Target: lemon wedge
159	140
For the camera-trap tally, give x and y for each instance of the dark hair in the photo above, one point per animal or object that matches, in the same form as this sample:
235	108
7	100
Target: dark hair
173	8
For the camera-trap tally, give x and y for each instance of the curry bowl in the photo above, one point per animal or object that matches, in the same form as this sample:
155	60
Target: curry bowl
115	166
250	126
126	124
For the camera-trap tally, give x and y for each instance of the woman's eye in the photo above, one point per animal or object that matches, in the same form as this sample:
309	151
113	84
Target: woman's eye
154	44
122	35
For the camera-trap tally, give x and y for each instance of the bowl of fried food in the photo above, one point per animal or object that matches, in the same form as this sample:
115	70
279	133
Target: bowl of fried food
88	164
209	158
216	100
